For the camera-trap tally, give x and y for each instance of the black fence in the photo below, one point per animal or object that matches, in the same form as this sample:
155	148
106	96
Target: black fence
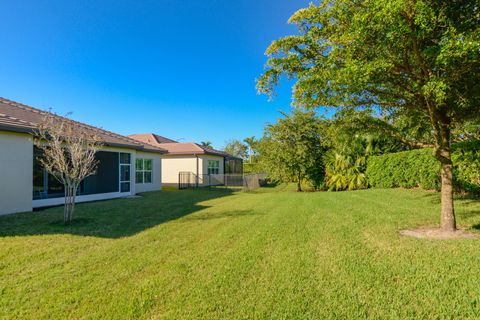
245	181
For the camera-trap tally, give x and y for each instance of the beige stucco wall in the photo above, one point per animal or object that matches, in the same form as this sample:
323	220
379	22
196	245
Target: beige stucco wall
214	179
156	172
16	172
172	165
204	163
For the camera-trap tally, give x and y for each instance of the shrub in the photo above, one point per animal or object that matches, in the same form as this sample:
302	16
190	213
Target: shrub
345	172
466	160
418	168
408	169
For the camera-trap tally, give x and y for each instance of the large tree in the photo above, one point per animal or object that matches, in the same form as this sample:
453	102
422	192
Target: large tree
291	149
416	59
236	148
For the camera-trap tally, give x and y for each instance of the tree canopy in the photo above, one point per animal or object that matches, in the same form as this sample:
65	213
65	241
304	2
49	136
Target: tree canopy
236	148
207	144
417	60
291	149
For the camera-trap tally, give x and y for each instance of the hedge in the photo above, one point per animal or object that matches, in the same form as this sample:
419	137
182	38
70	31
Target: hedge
418	168
408	169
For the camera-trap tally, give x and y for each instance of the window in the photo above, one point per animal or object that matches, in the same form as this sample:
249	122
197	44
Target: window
124	172
213	167
143	170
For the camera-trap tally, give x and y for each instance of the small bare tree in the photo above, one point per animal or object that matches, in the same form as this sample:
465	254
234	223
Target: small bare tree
68	154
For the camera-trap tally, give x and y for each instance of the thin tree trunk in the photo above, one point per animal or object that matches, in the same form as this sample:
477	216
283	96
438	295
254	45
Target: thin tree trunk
74	194
447	219
68	202
65	207
299	184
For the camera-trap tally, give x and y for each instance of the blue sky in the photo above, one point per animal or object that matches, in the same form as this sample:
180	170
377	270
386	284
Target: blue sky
182	69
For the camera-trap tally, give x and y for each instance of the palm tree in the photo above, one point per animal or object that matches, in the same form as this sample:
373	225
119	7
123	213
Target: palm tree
206	144
345	172
251	143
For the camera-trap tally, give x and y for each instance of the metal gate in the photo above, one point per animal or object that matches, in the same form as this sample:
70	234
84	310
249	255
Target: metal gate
246	182
186	180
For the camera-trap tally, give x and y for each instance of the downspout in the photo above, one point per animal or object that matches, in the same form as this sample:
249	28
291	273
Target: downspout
196	176
224	172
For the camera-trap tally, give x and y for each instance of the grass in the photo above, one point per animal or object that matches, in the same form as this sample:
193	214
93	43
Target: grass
213	254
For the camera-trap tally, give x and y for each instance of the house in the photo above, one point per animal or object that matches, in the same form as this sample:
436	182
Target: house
191	159
126	166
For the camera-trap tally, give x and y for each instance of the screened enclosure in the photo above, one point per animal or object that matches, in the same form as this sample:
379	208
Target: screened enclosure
112	175
233	165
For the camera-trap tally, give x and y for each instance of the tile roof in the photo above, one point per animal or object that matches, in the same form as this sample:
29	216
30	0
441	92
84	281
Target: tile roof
151	138
18	117
174	147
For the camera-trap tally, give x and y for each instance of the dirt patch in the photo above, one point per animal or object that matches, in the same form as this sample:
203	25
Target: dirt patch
429	232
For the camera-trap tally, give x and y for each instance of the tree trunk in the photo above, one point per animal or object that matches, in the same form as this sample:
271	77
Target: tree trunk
443	154
299	183
69	198
447	219
65	207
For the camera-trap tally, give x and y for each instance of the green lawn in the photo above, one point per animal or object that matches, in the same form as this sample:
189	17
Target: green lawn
212	254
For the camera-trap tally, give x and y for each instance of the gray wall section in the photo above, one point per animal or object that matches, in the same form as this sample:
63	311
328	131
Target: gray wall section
16	172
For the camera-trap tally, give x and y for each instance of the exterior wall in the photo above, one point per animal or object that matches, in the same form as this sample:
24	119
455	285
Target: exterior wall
16	175
172	165
214	179
16	172
91	197
204	163
156	183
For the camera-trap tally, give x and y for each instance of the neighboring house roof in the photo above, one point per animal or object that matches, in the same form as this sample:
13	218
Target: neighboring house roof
151	138
18	117
179	148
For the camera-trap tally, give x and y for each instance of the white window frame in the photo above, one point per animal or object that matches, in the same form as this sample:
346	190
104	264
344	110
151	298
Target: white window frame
213	167
120	172
143	171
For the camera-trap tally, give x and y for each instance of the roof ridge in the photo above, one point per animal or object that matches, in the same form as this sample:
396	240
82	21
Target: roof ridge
156	136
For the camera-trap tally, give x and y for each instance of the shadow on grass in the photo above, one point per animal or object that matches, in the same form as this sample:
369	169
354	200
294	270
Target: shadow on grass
223	214
476	227
113	218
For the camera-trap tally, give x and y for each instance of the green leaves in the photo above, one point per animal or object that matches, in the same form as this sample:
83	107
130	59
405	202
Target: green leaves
418	168
408	169
237	149
345	172
291	149
415	55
